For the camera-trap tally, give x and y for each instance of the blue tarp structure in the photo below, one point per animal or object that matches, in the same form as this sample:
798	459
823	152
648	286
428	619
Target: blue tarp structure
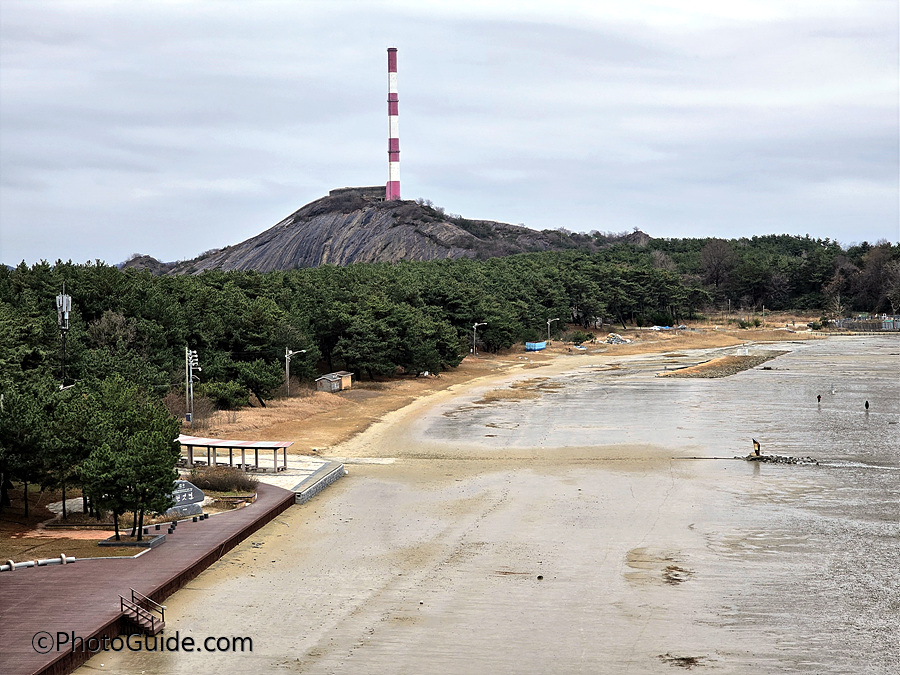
535	346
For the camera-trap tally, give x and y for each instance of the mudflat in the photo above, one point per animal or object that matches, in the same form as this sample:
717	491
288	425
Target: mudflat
567	532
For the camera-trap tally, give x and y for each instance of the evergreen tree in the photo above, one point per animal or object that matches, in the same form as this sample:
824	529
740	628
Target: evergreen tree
132	465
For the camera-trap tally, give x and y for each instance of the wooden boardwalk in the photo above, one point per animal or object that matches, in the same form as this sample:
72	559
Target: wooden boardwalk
84	597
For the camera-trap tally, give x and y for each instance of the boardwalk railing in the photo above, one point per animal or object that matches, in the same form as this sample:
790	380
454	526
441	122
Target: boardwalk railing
149	604
142	616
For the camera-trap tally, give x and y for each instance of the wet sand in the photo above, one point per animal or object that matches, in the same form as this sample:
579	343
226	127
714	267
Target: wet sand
649	562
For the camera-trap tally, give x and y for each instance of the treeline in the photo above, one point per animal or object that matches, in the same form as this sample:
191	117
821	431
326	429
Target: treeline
373	319
777	271
787	272
128	331
382	319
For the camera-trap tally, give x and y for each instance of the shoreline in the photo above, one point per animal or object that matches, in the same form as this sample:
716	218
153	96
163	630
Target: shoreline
345	418
540	558
390	437
367	404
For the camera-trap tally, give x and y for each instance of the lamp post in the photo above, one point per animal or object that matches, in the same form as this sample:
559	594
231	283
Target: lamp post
287	367
474	333
191	363
63	307
549	321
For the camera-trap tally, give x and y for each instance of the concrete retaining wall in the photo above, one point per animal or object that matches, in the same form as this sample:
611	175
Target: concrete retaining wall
318	481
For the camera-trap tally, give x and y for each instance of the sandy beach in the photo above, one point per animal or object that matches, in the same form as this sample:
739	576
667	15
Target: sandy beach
545	520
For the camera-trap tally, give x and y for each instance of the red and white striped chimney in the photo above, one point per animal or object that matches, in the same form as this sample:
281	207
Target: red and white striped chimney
393	184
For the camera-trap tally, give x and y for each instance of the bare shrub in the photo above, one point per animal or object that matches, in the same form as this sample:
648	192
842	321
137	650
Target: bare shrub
223	479
204	409
174	402
303	390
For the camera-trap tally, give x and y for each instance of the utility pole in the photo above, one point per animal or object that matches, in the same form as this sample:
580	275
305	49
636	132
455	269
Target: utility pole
549	321
287	367
63	307
474	333
191	363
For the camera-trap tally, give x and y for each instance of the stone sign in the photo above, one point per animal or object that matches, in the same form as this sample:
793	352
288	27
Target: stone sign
187	498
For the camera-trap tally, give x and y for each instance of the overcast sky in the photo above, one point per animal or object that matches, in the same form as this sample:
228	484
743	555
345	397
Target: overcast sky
173	127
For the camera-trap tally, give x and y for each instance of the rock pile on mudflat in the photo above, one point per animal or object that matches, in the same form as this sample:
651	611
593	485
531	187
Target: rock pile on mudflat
779	459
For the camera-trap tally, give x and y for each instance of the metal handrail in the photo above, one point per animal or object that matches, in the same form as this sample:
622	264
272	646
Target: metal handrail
143	598
139	611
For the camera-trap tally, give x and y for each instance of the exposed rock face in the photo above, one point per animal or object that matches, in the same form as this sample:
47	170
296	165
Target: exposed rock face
637	238
146	262
348	227
325	233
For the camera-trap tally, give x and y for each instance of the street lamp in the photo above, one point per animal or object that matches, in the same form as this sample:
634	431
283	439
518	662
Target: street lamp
474	332
63	307
191	363
287	367
549	321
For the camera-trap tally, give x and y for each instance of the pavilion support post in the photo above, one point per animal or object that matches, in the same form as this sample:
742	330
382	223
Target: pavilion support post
190	456
284	457
208	455
256	458
243	459
275	459
230	456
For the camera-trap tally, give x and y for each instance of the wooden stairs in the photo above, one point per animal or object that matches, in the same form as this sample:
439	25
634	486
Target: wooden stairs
146	614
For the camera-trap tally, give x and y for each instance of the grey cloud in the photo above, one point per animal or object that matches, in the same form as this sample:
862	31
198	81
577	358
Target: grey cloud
198	128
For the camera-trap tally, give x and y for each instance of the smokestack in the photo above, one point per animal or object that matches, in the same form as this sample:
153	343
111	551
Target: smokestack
393	184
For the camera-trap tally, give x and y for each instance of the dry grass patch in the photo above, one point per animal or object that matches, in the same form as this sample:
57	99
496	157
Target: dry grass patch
226	422
779	335
22	549
21	540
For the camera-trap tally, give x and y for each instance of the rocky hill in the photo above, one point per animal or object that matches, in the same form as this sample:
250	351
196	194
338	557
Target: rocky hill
348	227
